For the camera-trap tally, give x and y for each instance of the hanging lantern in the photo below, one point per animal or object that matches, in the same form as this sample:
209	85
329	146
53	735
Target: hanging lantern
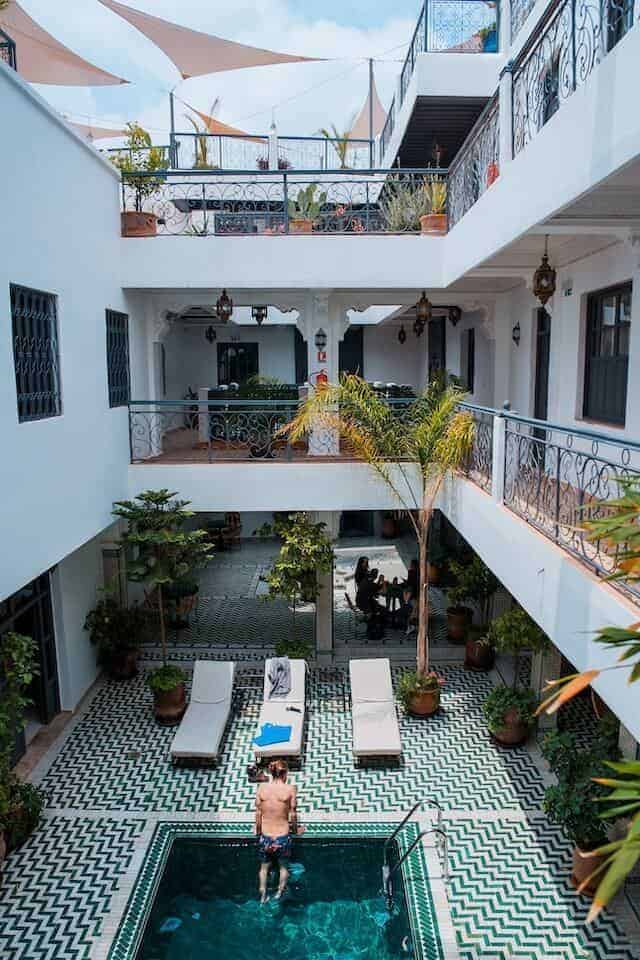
455	314
402	334
544	279
321	340
210	334
423	310
224	306
515	334
418	327
259	314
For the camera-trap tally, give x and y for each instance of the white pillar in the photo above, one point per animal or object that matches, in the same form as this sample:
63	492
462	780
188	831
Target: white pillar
273	147
323	316
545	666
324	604
506	116
498	451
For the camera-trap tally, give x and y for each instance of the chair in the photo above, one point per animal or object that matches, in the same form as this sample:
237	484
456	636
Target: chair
202	727
357	616
376	732
275	710
230	533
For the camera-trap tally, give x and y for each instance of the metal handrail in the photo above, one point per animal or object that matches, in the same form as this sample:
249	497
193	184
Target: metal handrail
387	874
338	171
404	822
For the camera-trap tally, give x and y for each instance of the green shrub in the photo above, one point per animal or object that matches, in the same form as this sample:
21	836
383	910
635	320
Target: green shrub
502	699
294	649
412	683
165	678
25	803
115	629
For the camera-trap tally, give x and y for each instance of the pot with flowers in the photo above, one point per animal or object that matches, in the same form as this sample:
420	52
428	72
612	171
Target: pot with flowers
475	582
140	164
435	221
420	692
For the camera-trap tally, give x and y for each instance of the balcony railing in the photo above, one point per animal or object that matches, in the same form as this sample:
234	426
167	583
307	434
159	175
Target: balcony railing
219	203
555	478
476	164
520	10
8	50
387	130
569	42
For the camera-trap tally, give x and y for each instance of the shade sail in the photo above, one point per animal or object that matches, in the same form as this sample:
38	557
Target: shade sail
195	53
219	128
96	133
42	59
360	128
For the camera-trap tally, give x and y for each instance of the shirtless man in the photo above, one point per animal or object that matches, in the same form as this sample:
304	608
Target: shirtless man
276	821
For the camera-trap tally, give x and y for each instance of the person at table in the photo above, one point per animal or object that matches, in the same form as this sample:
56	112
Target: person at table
367	601
361	571
412	580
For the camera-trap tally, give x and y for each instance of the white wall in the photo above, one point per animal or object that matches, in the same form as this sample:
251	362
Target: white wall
390	361
59	232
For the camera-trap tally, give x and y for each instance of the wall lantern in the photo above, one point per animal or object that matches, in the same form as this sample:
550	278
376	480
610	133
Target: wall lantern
515	334
321	340
224	306
259	314
455	313
423	309
402	334
210	334
418	327
544	279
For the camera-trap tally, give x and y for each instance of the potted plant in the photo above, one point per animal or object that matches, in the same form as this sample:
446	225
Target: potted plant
340	142
420	692
403	206
573	802
24	809
137	165
160	551
262	163
509	711
182	596
475	582
493	172
389	527
435	221
117	633
305	209
436	558
458	613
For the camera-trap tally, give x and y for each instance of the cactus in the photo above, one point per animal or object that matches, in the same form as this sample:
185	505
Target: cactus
306	206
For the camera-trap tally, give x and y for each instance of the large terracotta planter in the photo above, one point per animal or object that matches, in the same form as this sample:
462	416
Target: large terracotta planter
424	704
433	573
300	226
434	223
478	656
458	620
583	867
169	705
493	172
134	224
513	732
123	665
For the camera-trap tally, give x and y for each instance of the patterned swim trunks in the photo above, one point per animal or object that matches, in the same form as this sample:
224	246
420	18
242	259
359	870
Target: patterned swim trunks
272	849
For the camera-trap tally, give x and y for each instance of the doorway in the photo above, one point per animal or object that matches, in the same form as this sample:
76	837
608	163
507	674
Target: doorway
351	352
541	385
437	347
237	362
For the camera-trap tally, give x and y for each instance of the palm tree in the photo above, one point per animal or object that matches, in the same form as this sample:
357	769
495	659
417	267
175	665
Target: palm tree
431	436
201	140
340	142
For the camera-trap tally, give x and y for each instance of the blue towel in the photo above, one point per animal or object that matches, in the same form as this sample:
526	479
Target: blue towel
271	734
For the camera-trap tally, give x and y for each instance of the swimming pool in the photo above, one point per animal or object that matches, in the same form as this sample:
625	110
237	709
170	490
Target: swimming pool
196	897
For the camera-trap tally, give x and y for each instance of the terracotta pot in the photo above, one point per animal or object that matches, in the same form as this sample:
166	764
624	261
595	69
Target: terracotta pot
458	620
433	573
478	656
424	704
300	226
169	705
123	665
434	223
388	528
584	867
134	224
514	731
3	848
493	172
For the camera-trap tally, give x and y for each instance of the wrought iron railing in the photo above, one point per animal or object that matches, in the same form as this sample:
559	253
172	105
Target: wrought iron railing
479	467
520	10
8	50
387	130
416	47
570	41
272	203
476	164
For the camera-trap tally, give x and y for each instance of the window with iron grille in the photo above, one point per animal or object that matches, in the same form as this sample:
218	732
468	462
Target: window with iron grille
118	358
35	353
607	355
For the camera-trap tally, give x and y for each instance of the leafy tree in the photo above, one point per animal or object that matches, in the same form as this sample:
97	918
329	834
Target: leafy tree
431	435
619	530
159	549
138	161
515	632
340	141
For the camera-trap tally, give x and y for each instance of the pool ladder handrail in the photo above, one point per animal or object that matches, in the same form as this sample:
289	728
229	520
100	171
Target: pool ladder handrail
405	820
387	873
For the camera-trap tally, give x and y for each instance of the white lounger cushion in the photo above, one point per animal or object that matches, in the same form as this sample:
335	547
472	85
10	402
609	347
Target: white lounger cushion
375	725
275	711
202	727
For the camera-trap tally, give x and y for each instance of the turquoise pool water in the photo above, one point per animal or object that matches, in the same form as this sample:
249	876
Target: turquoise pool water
207	905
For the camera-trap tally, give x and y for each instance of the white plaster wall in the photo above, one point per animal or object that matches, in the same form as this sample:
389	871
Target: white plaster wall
390	361
484	356
59	232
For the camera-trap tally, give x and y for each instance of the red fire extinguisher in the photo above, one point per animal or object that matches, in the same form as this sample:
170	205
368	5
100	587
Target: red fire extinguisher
322	380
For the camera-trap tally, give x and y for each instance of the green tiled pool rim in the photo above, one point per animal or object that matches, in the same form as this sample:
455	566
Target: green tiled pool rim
423	921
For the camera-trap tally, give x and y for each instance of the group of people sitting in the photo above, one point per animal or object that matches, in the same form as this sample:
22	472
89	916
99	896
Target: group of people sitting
386	602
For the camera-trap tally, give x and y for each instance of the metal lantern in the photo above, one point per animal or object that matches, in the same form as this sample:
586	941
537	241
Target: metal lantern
423	310
544	279
259	314
402	334
224	306
515	334
418	327
455	313
210	334
320	340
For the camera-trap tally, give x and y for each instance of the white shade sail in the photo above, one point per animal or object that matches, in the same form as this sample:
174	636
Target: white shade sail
195	53
219	128
96	133
360	128
42	59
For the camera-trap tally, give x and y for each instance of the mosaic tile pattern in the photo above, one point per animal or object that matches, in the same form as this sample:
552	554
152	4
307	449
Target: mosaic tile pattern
56	888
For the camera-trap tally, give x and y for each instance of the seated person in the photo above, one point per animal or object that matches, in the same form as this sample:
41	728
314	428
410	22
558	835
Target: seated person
361	571
412	581
366	600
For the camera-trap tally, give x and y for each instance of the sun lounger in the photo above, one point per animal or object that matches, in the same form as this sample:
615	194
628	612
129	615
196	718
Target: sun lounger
276	710
201	729
375	725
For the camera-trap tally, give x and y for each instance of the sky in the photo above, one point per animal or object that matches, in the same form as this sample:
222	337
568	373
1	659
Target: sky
301	98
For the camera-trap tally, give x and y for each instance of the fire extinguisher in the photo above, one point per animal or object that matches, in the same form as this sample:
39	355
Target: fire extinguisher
322	380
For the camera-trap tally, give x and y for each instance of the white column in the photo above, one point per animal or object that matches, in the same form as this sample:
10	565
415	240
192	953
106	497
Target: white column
273	147
498	450
321	315
324	604
544	667
506	116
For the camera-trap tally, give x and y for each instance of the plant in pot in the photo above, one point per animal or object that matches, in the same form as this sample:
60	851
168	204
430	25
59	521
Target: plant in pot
420	692
458	613
160	551
182	596
475	582
138	164
305	209
117	633
403	206
573	802
435	220
509	711
389	526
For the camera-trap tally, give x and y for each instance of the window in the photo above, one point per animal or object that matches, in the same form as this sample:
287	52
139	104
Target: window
118	358
237	362
469	357
35	353
607	355
619	17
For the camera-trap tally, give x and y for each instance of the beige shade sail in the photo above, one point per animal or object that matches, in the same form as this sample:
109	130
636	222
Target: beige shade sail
195	53
219	128
42	59
360	128
96	133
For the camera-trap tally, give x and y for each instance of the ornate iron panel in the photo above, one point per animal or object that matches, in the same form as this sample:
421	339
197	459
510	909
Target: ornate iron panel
480	464
35	353
462	26
118	358
8	50
520	10
476	164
